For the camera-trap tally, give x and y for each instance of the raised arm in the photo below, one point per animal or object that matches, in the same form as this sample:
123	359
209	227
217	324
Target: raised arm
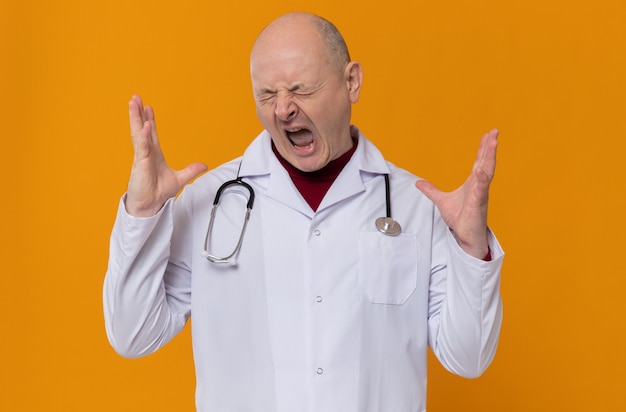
146	299
466	308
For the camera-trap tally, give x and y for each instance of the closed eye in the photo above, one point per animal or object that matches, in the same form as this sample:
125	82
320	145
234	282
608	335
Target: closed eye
266	97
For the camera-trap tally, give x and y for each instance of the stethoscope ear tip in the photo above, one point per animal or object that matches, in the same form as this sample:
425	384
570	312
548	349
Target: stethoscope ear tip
205	254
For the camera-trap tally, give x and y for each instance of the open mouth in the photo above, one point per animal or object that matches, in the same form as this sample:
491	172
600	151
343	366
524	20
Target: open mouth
300	138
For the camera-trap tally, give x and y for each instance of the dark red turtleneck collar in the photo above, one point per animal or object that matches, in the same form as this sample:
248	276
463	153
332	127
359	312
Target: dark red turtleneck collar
314	185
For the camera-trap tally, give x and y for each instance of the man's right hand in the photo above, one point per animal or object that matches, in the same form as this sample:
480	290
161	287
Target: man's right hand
152	182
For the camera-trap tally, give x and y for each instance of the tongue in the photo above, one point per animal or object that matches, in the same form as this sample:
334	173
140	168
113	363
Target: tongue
302	138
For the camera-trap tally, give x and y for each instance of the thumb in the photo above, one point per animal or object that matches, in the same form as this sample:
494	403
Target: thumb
191	172
429	190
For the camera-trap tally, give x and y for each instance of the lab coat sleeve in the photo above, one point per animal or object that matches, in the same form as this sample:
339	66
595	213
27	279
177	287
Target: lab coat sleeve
465	308
146	299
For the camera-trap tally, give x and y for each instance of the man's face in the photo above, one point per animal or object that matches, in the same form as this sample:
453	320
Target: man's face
303	100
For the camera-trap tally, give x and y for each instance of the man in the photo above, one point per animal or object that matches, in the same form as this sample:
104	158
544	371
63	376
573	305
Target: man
317	310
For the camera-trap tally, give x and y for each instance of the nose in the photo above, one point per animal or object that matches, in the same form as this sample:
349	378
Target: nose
285	109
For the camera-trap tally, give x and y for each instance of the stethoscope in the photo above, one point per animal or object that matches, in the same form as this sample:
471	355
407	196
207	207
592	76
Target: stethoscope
385	225
216	202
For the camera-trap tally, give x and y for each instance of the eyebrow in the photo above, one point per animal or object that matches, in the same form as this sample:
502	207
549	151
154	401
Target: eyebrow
297	86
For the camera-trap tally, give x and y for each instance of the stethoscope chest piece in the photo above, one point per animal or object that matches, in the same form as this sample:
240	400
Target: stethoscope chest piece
388	226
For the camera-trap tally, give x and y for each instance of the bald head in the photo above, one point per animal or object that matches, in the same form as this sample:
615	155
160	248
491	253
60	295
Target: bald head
309	30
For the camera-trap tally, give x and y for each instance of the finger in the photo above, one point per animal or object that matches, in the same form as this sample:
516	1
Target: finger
149	117
149	114
135	114
487	163
139	101
191	172
486	156
481	152
142	142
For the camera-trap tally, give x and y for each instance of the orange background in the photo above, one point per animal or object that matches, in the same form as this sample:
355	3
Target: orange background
549	74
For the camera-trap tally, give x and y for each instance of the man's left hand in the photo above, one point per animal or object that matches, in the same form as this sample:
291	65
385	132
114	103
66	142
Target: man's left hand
465	209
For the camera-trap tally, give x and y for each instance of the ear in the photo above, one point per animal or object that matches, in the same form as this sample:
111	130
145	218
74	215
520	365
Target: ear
354	79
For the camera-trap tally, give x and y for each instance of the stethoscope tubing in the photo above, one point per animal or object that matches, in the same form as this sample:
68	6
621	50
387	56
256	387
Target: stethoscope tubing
249	205
385	225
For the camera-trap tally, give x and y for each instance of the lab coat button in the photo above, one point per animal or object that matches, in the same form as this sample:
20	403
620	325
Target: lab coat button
319	371
319	299
317	233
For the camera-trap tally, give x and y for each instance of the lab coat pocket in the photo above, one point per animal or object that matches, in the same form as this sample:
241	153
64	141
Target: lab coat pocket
387	267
